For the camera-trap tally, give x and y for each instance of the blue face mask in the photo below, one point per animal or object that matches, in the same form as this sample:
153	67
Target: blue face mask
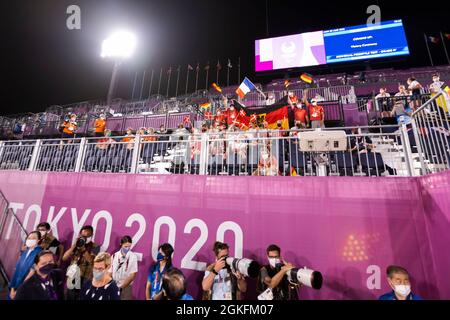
160	257
125	250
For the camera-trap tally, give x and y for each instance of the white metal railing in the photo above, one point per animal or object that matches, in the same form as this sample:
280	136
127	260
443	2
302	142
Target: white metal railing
381	150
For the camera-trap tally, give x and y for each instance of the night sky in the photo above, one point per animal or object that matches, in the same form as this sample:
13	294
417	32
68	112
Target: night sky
44	63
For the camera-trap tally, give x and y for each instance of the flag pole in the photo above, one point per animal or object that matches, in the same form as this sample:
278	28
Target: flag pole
228	73
217	72
445	48
178	78
187	80
142	84
196	77
168	82
160	78
207	75
134	85
151	84
428	48
239	71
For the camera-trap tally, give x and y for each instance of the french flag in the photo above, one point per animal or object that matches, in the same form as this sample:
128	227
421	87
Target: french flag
245	87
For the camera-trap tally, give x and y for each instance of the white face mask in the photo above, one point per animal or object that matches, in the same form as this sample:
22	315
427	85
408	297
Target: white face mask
89	240
43	233
265	156
30	243
403	290
273	262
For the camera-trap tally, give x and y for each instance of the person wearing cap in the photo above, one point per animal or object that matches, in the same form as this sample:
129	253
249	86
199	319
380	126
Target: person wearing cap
100	126
398	280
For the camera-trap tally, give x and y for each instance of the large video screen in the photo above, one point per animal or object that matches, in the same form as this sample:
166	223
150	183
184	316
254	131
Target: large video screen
363	42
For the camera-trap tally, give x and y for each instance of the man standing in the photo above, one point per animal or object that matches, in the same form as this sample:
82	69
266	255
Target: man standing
398	279
219	282
100	126
274	276
82	255
46	283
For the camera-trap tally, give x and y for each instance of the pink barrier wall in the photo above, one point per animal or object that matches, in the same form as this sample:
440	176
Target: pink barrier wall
348	228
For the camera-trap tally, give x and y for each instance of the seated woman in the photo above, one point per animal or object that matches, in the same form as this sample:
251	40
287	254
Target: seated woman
105	142
268	165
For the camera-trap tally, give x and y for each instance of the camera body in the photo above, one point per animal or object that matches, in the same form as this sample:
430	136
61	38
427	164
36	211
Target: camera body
81	242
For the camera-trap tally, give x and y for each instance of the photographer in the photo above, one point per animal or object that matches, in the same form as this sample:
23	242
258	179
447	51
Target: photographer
274	276
219	282
81	256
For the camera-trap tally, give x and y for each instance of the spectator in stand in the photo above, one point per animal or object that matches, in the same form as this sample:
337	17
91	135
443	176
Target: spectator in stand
415	87
402	92
124	268
316	112
301	116
398	279
106	141
153	289
270	99
102	286
100	126
382	99
174	285
402	112
81	256
360	143
292	99
129	137
150	135
435	88
25	262
49	242
46	283
69	127
268	164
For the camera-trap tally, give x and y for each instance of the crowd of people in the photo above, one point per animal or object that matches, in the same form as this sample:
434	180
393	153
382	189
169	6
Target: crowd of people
94	275
407	99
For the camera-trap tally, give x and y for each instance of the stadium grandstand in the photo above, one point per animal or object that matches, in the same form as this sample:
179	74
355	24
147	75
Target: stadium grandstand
319	175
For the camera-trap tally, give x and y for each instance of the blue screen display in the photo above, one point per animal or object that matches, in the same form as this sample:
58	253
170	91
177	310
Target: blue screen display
363	42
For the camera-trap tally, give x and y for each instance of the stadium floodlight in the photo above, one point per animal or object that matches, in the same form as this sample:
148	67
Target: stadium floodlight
120	45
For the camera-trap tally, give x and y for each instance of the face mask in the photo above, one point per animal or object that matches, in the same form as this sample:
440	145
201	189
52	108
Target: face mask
160	257
43	233
88	240
273	262
30	243
265	156
46	269
98	275
403	290
125	250
279	125
435	80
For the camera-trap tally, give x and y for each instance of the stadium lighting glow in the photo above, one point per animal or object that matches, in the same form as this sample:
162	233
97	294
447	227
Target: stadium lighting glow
120	44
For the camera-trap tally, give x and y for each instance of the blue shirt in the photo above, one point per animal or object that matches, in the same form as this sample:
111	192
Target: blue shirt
155	278
391	296
186	297
23	266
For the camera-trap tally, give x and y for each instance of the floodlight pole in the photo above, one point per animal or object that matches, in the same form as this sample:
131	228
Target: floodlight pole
113	83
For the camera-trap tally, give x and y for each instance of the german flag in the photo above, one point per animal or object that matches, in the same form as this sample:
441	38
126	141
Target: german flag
271	114
216	87
306	77
287	83
205	105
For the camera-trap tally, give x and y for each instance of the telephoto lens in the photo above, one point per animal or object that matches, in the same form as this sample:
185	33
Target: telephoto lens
80	242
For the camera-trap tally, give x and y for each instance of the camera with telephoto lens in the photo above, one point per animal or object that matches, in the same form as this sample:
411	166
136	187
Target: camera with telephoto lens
81	242
306	277
247	267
